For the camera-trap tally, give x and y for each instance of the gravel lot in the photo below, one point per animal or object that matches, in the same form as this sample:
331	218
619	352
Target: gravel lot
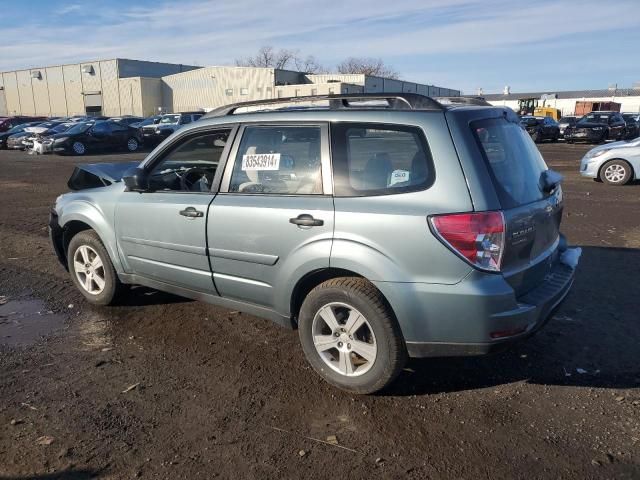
164	387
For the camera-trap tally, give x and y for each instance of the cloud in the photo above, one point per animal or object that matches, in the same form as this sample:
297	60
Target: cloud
404	32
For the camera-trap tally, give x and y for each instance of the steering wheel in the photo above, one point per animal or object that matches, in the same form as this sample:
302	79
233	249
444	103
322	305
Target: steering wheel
191	177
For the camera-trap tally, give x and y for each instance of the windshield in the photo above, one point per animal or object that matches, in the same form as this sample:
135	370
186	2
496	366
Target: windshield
530	121
61	128
513	159
17	129
79	128
170	119
595	118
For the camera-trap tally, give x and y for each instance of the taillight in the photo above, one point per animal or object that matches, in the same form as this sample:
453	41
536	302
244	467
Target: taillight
477	237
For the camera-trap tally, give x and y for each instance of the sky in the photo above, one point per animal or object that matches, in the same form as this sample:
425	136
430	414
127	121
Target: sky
463	44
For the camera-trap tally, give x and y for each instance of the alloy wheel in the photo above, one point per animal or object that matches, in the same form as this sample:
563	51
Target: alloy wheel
132	145
89	269
615	173
79	148
344	339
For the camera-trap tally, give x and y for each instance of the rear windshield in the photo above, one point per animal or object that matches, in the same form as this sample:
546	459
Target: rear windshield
513	159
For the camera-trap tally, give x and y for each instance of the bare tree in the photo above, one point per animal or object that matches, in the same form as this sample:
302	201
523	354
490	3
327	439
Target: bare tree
268	57
368	66
308	64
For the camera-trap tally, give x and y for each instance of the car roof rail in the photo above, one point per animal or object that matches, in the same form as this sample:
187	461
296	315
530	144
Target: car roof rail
361	101
478	101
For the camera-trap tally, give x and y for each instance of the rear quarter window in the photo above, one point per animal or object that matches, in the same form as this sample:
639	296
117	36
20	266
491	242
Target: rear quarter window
514	162
379	159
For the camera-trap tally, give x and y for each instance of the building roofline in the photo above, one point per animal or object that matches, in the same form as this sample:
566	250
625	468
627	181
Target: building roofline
95	61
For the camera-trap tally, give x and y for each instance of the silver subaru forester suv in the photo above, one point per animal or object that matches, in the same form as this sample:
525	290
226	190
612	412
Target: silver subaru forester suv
381	226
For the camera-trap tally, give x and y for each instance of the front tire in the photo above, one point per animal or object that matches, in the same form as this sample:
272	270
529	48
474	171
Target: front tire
78	148
350	335
615	172
91	269
132	145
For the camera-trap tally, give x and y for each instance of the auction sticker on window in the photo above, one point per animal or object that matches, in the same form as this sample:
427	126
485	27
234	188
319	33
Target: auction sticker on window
261	161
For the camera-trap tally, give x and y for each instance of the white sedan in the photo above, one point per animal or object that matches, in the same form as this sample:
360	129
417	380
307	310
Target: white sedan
613	163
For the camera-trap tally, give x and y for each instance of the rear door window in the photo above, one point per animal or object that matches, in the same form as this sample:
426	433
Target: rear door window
514	161
371	159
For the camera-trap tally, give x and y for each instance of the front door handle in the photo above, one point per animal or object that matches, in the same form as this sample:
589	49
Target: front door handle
306	220
191	212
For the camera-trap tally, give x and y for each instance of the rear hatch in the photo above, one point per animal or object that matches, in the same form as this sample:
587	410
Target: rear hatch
532	215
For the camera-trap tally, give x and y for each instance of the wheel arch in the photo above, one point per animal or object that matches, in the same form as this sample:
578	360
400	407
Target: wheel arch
82	217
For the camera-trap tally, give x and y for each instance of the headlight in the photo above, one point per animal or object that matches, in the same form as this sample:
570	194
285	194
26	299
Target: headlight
597	153
61	140
596	129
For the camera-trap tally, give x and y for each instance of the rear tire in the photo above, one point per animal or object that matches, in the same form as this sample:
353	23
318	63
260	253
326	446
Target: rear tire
615	172
350	335
91	269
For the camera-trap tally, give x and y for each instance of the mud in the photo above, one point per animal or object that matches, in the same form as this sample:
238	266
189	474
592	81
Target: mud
210	393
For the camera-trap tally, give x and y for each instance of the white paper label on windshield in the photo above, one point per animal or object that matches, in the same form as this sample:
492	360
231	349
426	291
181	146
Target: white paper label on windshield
261	161
399	176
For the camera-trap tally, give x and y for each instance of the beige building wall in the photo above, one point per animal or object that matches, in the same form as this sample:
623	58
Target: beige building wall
40	89
309	89
211	87
110	88
73	89
12	98
131	96
27	107
151	95
57	94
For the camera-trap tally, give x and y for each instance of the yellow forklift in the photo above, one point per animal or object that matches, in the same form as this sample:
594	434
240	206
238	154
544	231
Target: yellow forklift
531	106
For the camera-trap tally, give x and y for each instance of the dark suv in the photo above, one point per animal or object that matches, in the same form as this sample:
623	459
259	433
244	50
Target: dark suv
381	226
633	125
541	128
597	127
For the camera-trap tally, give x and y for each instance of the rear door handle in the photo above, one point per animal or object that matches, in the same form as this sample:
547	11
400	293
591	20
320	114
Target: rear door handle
191	212
306	220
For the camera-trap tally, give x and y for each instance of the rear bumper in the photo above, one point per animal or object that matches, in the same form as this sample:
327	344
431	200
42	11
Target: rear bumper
479	315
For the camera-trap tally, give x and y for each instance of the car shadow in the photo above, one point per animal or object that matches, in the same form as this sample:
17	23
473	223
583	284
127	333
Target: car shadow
591	341
139	296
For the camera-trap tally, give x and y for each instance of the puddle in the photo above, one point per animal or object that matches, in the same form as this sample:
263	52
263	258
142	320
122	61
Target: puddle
25	321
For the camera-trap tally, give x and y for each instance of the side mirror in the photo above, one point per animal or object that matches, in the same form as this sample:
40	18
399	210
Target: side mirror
136	180
549	180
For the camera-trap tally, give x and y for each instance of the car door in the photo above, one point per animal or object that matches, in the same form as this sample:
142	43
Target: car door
98	136
119	135
272	221
161	233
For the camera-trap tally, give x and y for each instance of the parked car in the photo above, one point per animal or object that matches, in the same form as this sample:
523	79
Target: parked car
597	127
169	123
615	163
541	128
153	120
633	125
32	131
88	136
130	120
345	221
7	123
43	142
567	121
13	131
14	142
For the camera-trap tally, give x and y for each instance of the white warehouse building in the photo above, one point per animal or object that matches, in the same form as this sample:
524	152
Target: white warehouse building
629	98
131	87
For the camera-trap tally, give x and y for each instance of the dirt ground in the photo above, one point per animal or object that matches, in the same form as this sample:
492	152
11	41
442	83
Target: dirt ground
164	387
